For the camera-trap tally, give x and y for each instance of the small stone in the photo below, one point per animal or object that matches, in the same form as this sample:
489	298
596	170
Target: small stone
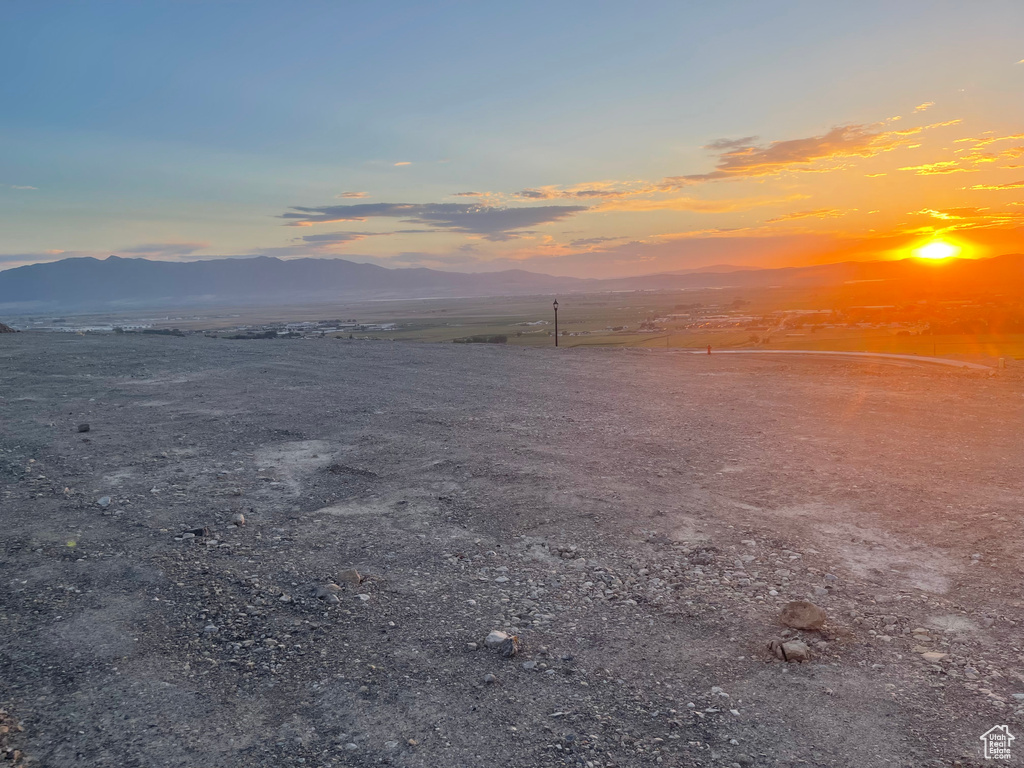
327	590
390	746
934	656
471	646
104	501
238	519
792	650
801	614
210	629
83	427
489	678
364	598
285	598
495	639
350	576
350	747
187	536
510	647
529	665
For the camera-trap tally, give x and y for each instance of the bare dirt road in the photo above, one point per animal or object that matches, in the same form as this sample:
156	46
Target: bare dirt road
637	519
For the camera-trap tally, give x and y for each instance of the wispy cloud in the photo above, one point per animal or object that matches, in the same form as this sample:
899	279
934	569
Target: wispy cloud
335	238
741	159
947	214
349	195
403	162
23	186
1011	185
970	218
817	213
938	168
491	222
587	242
924	106
594	190
163	250
695	205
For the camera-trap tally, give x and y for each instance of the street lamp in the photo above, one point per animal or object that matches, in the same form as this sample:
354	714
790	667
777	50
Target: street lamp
555	305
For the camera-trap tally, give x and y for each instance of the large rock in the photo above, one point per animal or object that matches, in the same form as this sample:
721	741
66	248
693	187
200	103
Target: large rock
801	614
6	329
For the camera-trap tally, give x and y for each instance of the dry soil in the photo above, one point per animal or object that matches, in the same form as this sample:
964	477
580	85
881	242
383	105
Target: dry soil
638	519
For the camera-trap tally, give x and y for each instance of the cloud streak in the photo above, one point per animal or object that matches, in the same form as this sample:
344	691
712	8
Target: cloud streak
817	213
491	222
695	205
1011	185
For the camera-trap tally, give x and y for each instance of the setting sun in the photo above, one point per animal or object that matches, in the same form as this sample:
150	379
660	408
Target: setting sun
938	249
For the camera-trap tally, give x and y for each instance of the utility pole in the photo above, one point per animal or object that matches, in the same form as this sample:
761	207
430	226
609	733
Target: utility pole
555	305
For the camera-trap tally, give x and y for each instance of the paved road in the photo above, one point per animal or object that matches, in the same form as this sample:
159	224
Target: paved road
875	355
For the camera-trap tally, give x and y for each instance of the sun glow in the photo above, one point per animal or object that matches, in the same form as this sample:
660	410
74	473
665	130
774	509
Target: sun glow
937	249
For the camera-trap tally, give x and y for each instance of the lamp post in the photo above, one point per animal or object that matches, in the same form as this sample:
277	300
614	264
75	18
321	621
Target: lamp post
555	305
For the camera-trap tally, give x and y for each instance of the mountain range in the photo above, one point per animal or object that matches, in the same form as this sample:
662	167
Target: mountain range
88	284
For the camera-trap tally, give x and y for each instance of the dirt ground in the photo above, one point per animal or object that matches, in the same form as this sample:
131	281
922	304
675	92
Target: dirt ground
637	518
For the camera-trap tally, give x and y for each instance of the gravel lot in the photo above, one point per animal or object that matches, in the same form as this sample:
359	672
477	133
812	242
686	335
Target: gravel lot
638	519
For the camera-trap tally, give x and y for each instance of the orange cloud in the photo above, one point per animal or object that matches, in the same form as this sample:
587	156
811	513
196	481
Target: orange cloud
1011	185
743	159
931	169
923	107
403	162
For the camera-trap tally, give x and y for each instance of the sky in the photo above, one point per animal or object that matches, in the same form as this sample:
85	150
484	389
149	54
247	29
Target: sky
593	139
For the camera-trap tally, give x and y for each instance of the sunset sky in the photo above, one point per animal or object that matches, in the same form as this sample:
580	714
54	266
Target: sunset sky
590	139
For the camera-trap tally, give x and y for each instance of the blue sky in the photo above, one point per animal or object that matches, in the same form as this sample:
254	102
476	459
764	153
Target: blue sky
191	130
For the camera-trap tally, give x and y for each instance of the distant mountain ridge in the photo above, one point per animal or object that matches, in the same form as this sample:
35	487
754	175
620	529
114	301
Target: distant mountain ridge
81	284
115	282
